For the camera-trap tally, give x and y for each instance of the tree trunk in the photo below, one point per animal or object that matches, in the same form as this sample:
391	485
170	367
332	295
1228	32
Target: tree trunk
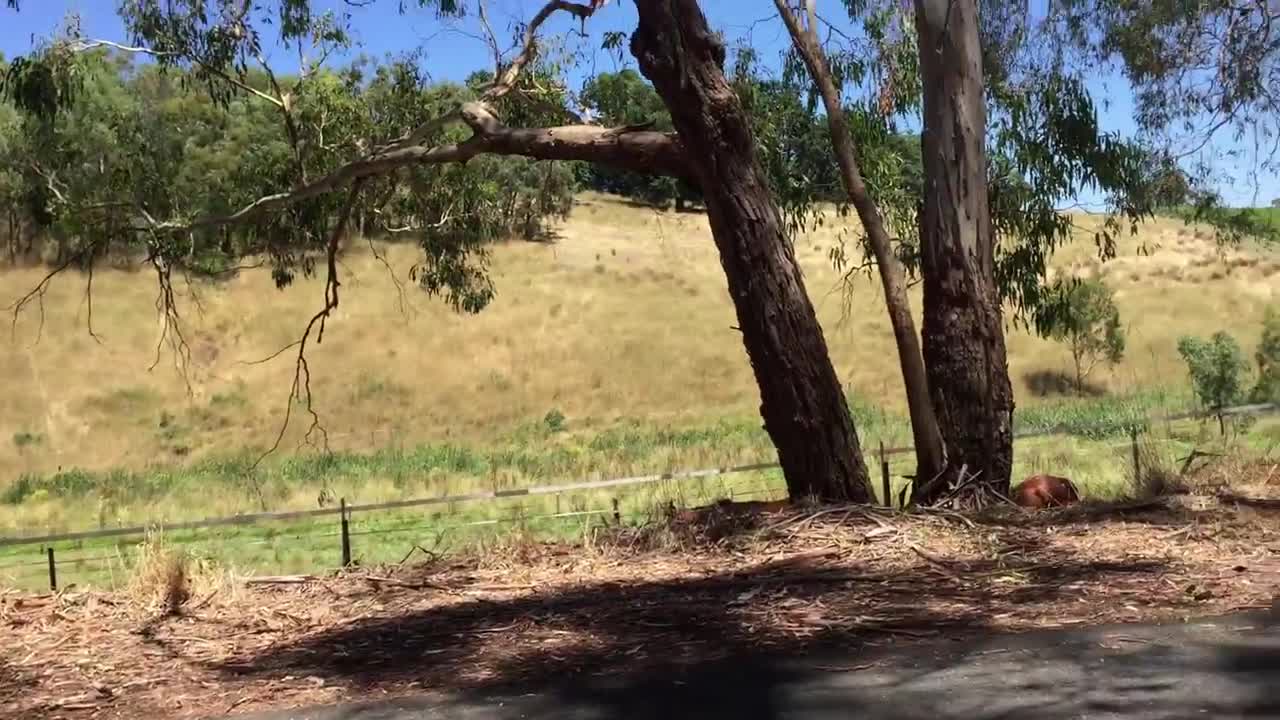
1077	357
963	331
802	403
13	236
930	455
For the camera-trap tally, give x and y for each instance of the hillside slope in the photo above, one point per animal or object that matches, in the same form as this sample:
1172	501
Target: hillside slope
626	316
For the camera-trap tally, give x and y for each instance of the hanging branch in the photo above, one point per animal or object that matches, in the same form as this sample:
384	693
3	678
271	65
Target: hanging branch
300	388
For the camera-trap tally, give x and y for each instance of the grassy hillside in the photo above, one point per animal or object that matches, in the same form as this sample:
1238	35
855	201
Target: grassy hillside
610	350
1272	214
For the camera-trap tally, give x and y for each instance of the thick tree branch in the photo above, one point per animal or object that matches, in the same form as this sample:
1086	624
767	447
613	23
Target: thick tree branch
645	151
504	78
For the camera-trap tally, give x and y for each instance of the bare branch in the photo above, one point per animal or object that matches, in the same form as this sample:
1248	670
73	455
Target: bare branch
505	79
300	389
170	323
272	356
192	292
490	37
88	298
92	44
37	293
285	103
445	217
400	296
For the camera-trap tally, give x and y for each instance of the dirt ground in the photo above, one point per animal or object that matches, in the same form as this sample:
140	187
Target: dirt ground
785	582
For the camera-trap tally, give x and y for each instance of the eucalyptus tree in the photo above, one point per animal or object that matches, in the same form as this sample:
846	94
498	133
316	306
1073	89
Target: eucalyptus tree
928	439
324	174
626	99
1009	133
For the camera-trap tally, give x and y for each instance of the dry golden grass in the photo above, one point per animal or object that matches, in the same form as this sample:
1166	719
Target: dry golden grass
626	316
161	576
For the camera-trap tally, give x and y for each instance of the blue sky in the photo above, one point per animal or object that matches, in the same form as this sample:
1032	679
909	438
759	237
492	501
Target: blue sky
451	53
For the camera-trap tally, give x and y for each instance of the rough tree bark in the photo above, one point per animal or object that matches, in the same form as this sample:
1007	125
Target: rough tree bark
963	333
930	453
802	403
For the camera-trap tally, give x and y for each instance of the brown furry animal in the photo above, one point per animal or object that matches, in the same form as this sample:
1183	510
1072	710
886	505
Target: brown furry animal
1043	491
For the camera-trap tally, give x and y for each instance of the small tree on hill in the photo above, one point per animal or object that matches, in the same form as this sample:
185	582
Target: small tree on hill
1215	366
1089	323
1267	389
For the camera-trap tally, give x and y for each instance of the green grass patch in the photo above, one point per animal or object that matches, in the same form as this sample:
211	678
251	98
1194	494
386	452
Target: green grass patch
314	545
1091	445
1099	418
1270	215
536	454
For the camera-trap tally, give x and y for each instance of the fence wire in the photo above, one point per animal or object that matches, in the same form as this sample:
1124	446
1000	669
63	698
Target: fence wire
219	535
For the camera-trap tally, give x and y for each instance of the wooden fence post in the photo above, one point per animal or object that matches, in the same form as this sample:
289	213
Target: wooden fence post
884	477
1137	465
53	570
617	514
346	533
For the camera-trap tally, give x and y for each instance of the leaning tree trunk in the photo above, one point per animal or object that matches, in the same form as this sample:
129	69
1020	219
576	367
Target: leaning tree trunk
963	332
929	448
802	403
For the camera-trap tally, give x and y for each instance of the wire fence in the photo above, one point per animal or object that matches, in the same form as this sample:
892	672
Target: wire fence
295	540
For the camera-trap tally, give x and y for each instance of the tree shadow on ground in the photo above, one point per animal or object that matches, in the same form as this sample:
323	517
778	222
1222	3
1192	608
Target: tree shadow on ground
1083	517
727	645
14	682
1046	383
1035	676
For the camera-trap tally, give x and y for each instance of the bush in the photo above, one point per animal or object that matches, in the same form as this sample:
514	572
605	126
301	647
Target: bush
1267	388
26	438
1216	367
1088	320
554	421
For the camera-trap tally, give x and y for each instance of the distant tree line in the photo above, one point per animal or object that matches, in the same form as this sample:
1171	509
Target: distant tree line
797	147
157	140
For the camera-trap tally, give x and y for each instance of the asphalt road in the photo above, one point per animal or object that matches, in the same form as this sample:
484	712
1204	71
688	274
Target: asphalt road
1220	668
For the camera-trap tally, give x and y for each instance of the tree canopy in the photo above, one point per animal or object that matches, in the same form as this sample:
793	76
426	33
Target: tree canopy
1045	142
243	161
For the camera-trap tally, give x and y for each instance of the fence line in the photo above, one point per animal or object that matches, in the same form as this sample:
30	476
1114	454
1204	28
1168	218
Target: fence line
256	518
63	560
1254	409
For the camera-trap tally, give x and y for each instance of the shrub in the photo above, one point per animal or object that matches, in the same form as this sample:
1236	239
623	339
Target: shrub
161	578
1216	367
555	421
26	438
1267	389
1088	321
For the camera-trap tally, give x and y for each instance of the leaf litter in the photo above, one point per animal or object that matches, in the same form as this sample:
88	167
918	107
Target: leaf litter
688	590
